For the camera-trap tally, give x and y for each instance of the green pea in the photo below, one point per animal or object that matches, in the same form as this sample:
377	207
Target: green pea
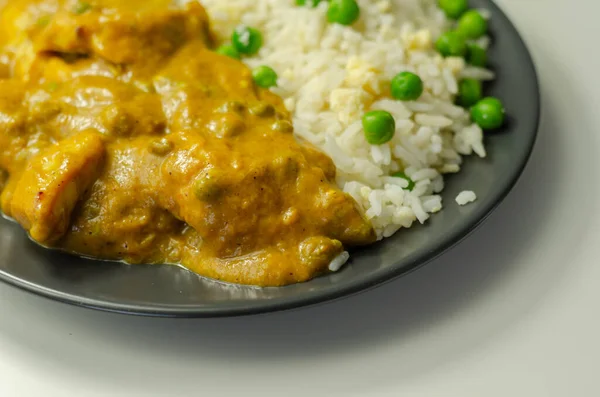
452	44
453	8
379	127
209	185
247	40
262	109
310	3
81	7
411	183
472	25
469	92
264	77
283	126
406	86
476	56
233	107
344	12
228	51
488	113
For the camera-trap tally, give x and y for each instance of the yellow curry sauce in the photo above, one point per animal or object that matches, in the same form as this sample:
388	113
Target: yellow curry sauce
123	136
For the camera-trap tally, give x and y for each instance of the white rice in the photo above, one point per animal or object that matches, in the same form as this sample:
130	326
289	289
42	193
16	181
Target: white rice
339	261
465	197
330	75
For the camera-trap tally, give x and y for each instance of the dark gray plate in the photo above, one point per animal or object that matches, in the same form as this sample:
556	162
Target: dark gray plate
172	291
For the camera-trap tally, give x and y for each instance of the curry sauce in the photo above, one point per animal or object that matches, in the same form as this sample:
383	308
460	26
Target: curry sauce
124	136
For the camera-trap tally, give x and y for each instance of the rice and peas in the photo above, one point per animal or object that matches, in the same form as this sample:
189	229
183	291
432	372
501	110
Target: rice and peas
330	75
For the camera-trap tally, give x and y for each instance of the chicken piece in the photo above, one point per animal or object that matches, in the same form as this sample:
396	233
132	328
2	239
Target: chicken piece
196	86
119	217
239	202
123	32
52	184
55	69
319	159
7	194
110	106
19	141
12	124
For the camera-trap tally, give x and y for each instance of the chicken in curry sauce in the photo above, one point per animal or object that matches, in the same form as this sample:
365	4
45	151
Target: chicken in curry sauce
125	136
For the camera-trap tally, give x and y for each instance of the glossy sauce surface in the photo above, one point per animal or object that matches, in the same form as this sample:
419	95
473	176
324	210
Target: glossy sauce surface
123	136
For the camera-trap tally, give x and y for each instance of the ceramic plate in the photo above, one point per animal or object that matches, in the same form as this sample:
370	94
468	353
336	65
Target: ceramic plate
173	291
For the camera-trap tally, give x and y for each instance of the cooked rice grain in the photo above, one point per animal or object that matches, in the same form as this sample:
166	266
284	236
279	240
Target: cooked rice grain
466	197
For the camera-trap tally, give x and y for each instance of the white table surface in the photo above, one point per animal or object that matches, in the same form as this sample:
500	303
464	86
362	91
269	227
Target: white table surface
513	311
